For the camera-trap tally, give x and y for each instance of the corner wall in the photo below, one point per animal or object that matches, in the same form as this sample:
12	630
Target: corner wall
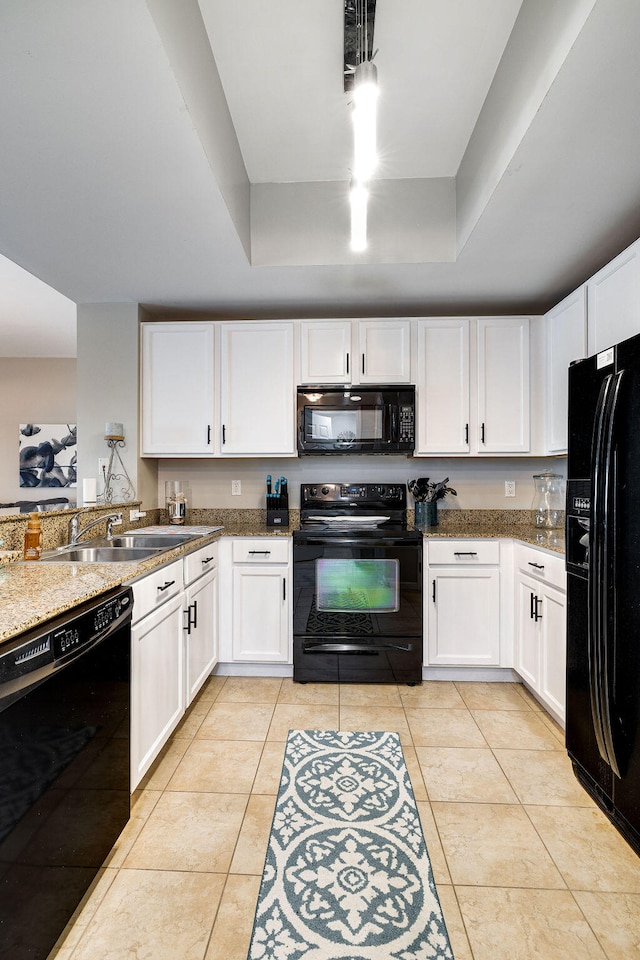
107	390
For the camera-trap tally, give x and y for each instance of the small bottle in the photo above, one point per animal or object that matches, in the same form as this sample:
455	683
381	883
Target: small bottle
33	538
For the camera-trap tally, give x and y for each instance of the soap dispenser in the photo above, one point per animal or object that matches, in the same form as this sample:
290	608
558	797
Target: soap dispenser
33	538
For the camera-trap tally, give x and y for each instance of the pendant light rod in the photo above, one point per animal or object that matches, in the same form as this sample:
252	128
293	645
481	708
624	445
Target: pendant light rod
358	44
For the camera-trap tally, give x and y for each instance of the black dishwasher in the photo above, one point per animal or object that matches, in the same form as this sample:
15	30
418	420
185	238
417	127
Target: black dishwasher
64	766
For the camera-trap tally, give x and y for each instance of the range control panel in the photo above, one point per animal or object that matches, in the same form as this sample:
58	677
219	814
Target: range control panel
354	494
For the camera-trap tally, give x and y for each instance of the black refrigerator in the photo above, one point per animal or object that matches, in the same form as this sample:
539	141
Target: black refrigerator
603	582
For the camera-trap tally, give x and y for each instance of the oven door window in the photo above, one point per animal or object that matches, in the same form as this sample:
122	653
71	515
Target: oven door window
345	586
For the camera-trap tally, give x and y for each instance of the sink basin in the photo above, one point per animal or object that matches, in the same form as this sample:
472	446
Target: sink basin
100	555
153	540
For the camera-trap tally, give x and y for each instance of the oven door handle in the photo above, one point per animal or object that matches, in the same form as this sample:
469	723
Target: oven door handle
354	541
333	646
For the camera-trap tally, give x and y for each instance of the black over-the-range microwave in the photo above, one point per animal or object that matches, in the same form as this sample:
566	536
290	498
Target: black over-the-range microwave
354	419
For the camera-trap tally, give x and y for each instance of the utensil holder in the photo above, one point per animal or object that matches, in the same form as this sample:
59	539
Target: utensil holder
277	509
426	513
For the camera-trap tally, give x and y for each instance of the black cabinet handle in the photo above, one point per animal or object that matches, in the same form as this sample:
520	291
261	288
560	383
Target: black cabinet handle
284	589
465	553
466	433
538	566
531	611
207	560
347	363
363	362
536	616
168	584
224	434
433	592
261	552
195	613
208	433
482	433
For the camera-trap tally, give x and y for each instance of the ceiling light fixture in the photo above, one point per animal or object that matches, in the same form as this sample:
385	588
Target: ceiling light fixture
362	80
365	96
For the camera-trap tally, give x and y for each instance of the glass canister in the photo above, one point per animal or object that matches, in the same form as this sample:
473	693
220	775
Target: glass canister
176	500
548	500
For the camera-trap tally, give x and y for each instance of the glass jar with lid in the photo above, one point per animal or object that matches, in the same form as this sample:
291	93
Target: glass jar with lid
548	501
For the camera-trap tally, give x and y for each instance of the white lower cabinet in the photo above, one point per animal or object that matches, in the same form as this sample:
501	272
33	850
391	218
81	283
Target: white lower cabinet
541	626
174	639
261	600
157	688
462	597
200	618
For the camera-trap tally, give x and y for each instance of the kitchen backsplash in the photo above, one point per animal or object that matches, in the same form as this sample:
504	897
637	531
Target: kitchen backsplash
480	484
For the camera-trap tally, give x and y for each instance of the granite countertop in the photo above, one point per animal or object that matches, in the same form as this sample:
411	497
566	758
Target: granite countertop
32	593
548	539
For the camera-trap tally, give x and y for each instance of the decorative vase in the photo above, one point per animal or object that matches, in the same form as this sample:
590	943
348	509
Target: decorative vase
426	513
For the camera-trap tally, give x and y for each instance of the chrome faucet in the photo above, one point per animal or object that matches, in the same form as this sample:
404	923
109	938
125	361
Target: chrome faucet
75	531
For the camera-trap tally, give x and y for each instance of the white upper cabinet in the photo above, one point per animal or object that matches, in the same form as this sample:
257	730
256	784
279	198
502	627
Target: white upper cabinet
325	351
257	406
177	389
566	341
355	351
384	351
503	385
614	300
443	386
473	385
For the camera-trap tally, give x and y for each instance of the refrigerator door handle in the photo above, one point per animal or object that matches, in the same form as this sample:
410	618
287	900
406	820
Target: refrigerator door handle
608	581
601	586
596	593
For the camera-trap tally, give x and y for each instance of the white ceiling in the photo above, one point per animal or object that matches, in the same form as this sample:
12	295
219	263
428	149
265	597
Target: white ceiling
143	141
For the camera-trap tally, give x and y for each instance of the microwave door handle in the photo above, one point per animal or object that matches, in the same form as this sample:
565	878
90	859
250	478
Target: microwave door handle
393	422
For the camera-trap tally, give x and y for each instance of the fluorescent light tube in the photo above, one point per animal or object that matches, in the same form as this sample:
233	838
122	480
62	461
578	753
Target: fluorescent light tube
365	96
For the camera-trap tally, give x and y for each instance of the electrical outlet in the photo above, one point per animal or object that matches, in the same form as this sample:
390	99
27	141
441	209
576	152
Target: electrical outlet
509	488
236	488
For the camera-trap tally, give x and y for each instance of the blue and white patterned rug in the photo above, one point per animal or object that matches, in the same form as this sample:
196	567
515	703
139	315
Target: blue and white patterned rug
347	874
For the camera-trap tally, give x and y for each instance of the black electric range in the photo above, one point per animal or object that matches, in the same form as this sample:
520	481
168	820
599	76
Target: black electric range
357	577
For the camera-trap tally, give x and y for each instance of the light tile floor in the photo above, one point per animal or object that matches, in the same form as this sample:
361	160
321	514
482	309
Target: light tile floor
526	865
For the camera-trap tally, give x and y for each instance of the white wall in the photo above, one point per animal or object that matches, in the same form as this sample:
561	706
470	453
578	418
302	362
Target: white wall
32	390
479	483
108	348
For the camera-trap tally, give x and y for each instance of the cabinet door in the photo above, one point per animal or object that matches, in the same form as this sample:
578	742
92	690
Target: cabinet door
613	300
384	354
528	632
554	653
157	689
260	613
177	389
566	340
257	389
503	385
325	351
464	616
200	633
443	386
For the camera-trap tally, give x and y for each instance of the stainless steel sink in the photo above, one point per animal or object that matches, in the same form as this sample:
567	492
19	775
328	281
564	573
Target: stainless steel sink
155	540
100	555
